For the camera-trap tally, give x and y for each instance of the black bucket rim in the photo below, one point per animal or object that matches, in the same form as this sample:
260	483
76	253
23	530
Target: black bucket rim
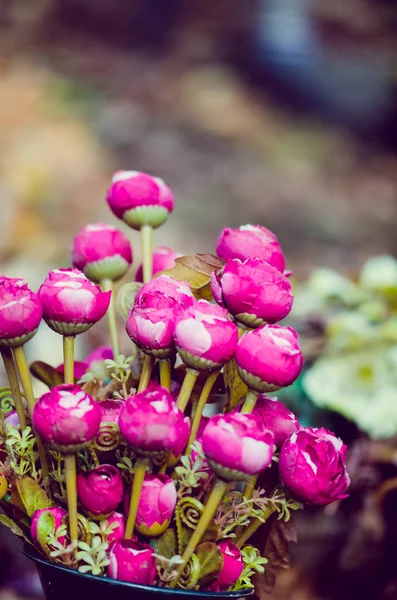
30	551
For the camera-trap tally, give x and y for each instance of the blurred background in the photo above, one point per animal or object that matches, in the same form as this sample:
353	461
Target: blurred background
276	112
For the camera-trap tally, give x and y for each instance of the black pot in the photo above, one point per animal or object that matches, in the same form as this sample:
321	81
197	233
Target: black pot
60	583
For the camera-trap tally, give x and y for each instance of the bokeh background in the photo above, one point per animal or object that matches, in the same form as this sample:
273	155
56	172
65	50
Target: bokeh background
277	112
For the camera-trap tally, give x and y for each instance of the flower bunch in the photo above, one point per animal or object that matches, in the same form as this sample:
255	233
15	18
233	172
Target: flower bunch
118	468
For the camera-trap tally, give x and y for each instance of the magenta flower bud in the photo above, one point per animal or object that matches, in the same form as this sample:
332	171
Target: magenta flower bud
140	199
71	302
152	330
96	362
312	466
269	357
165	292
20	312
80	368
205	336
133	562
156	505
276	417
253	291
57	513
180	445
151	422
101	252
111	410
119	531
237	445
163	259
100	491
251	241
67	418
233	566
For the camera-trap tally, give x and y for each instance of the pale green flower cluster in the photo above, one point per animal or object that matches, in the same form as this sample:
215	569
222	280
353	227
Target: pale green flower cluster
356	374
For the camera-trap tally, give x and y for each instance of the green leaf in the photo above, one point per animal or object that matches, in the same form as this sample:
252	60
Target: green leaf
211	562
46	373
45	529
14	527
166	544
196	270
235	386
31	495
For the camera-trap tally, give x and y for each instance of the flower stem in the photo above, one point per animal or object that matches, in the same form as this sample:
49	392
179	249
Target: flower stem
249	402
12	375
247	493
147	256
139	476
71	493
165	373
205	392
68	358
213	501
146	373
107	286
23	370
187	388
252	528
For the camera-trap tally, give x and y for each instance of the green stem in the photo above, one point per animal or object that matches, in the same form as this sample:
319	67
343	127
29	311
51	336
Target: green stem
139	475
147	252
210	508
249	402
23	370
205	392
187	388
252	528
247	493
107	286
68	358
12	375
71	493
165	373
146	373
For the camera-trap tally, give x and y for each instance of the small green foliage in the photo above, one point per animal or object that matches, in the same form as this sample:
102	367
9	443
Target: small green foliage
191	473
22	450
253	563
102	529
121	371
94	556
167	567
125	458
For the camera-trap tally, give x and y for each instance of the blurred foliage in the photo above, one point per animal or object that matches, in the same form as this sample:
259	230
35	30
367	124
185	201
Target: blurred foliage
356	372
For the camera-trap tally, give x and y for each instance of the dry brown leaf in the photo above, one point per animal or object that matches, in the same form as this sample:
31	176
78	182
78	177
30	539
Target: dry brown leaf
196	270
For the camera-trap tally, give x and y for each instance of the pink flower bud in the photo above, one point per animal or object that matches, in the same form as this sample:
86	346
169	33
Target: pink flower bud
133	562
67	418
165	292
100	491
151	422
312	466
119	531
152	330
250	241
20	312
205	336
156	505
163	259
140	199
37	517
96	361
269	357
180	445
80	368
253	291
233	566
101	252
276	417
237	445
111	410
71	302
